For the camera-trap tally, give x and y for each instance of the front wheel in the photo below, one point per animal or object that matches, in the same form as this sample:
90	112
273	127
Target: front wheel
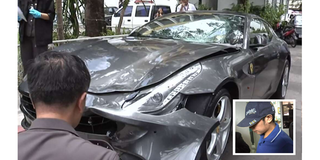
217	107
293	42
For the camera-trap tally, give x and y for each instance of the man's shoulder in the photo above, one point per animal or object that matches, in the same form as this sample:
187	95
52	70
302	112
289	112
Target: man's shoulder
192	6
283	139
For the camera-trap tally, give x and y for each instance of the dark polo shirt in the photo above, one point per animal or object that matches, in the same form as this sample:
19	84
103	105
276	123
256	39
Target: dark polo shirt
276	142
53	139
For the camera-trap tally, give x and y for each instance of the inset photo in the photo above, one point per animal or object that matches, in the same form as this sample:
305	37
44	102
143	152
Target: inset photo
264	127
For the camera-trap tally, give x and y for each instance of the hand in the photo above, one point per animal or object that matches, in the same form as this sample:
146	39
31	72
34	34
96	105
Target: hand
35	13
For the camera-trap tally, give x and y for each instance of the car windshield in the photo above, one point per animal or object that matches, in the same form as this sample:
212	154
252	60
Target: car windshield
196	27
298	20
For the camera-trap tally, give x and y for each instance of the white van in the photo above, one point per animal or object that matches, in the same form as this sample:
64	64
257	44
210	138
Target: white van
137	15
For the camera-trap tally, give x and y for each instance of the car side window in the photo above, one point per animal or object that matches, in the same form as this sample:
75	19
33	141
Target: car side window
127	12
257	28
269	32
165	9
142	11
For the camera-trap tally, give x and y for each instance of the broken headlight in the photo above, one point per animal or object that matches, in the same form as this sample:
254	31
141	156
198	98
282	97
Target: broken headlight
158	97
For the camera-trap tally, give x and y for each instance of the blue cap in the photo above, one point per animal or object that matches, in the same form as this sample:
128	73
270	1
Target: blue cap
255	111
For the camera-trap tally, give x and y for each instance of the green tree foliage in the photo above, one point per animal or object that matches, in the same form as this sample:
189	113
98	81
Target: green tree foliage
270	14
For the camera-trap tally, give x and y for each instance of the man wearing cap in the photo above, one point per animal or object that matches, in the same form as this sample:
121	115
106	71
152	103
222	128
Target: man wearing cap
259	116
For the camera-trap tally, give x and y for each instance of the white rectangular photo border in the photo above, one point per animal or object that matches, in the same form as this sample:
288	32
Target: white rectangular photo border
263	100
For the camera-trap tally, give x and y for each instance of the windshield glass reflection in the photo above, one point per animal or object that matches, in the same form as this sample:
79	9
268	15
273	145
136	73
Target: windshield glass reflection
201	27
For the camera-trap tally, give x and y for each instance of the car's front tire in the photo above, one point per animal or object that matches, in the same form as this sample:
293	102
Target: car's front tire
218	107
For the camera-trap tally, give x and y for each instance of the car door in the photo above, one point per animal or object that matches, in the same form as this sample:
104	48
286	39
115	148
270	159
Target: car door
127	18
141	15
266	60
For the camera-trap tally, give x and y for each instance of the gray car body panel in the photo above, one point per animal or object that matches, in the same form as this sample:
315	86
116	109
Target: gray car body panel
158	137
128	64
122	66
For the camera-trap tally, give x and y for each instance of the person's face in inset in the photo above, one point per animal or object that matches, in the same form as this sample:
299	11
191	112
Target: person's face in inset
262	126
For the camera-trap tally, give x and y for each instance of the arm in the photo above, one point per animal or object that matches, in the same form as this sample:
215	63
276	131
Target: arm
51	13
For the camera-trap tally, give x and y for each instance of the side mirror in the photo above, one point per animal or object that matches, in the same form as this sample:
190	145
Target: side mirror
258	41
235	37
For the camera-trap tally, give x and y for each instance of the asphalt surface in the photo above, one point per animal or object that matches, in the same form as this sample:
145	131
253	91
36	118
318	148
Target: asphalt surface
294	92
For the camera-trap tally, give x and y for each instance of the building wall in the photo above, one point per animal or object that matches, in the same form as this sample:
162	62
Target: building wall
258	2
222	4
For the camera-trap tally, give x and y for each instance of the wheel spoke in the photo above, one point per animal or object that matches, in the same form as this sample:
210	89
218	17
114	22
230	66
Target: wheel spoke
212	144
219	145
222	112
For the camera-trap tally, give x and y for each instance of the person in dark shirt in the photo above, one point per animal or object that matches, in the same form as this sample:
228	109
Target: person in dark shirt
58	84
259	116
36	33
241	145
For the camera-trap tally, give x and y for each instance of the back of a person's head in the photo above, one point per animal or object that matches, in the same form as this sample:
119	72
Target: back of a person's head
57	78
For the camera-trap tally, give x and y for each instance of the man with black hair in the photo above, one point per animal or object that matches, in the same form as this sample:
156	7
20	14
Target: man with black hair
259	116
58	84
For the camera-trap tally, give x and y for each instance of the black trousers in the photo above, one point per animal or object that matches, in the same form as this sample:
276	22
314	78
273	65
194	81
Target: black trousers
29	51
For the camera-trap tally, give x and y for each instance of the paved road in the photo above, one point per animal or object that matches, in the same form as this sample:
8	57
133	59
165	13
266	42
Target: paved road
294	92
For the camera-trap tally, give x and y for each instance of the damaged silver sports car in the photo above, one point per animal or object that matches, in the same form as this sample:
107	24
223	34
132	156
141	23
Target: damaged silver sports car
165	91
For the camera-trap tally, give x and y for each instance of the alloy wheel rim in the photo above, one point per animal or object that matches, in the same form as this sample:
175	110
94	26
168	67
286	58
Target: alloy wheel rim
219	136
285	81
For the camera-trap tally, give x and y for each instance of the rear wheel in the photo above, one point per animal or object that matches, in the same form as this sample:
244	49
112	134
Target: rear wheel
294	42
217	107
283	84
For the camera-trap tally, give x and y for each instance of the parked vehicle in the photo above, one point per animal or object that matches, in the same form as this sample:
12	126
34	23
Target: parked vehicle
287	33
138	13
165	91
296	21
108	12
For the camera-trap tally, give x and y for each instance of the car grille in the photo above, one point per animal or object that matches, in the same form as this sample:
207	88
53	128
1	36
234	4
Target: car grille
89	124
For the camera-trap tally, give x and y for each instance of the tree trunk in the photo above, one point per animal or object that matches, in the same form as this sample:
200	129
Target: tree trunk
59	20
125	4
94	17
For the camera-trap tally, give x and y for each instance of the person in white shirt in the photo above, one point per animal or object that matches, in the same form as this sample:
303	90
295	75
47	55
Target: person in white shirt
185	6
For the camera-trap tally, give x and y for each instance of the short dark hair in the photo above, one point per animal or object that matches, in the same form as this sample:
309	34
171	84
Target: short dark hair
57	78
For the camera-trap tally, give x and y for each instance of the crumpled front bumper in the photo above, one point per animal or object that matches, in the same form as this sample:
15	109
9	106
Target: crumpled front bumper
177	135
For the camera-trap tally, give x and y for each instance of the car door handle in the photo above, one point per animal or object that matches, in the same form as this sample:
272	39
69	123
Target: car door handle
129	20
145	20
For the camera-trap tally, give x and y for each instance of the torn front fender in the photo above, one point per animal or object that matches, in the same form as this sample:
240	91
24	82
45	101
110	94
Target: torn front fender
177	135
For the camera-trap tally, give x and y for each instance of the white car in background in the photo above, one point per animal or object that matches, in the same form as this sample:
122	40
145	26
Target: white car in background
138	14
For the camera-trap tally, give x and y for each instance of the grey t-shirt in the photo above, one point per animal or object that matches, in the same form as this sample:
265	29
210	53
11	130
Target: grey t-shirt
54	139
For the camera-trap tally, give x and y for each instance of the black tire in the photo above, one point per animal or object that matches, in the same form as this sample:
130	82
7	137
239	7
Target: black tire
278	94
205	105
294	44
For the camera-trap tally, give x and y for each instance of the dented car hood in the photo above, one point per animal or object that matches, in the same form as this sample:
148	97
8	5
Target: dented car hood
128	64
